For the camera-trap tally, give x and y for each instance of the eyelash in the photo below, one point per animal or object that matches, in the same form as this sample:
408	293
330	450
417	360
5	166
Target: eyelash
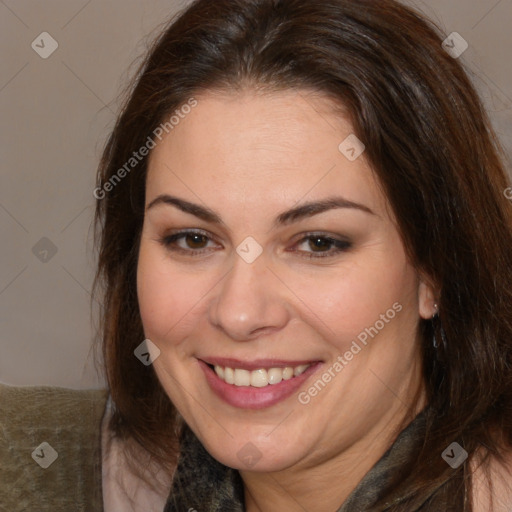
340	245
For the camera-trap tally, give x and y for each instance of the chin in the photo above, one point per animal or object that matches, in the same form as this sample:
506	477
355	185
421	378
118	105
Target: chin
257	452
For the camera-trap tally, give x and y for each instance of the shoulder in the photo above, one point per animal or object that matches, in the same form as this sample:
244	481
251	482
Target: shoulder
131	482
492	484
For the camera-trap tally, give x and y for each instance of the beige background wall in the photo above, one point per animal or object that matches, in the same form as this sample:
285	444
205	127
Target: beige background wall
56	113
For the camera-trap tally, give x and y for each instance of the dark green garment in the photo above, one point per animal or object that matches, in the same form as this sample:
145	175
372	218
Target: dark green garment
204	484
37	422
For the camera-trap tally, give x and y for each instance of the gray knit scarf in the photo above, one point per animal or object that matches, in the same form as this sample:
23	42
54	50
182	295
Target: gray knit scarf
203	484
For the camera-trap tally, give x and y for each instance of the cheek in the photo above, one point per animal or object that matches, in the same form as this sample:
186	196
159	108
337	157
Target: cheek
167	299
343	305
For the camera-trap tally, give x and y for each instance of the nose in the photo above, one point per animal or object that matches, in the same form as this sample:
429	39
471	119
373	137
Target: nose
250	301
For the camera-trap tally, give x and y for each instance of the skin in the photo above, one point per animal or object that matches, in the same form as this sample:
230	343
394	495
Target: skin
250	156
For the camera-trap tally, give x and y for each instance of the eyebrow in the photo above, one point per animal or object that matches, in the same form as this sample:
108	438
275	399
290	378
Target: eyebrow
287	217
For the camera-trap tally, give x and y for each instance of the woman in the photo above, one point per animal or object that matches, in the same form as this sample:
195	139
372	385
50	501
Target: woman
306	253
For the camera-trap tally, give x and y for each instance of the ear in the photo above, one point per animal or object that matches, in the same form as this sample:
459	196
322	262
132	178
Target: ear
426	299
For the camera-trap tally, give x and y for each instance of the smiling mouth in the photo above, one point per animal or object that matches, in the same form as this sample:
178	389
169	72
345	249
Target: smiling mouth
258	384
259	378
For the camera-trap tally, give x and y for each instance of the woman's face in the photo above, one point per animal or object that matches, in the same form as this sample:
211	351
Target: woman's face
287	325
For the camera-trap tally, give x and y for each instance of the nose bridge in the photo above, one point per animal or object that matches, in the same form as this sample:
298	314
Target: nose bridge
248	299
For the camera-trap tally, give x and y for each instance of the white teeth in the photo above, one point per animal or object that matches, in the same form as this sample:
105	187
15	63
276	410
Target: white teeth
299	369
275	375
242	377
229	375
259	378
287	373
219	371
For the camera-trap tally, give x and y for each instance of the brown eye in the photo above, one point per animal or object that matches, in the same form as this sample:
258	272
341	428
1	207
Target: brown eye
188	242
322	246
319	244
195	240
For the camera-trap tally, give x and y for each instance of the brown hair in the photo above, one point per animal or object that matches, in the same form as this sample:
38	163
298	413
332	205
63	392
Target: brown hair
432	147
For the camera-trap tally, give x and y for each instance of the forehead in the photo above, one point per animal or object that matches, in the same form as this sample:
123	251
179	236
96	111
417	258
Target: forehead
262	150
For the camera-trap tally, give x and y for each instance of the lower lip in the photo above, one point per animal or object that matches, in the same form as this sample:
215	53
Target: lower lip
249	397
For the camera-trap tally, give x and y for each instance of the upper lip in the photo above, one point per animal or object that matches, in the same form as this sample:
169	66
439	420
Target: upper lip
255	364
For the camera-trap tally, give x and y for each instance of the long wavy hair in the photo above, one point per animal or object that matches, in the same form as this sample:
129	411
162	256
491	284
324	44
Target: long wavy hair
433	150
